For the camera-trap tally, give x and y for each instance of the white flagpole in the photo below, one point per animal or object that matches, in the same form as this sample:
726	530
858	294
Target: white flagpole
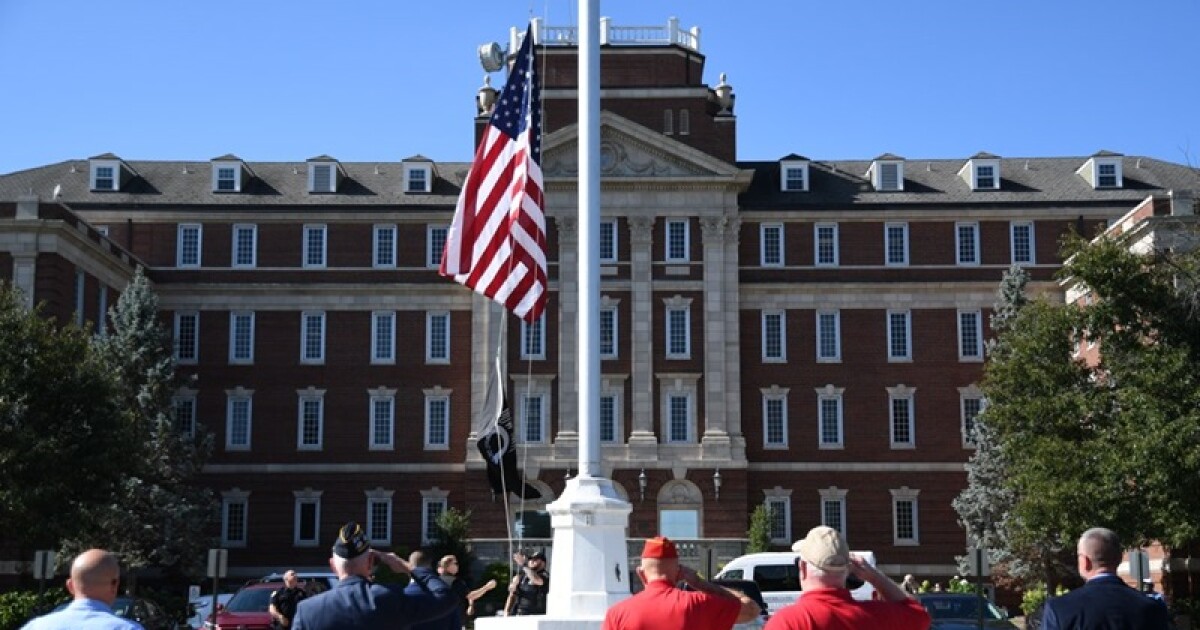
588	349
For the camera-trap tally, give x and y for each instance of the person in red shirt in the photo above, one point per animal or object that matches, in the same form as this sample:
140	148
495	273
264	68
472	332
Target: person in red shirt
826	604
662	606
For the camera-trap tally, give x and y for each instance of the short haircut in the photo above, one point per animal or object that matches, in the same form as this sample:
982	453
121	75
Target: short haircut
1103	546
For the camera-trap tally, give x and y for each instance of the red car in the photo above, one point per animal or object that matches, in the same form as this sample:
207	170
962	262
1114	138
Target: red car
247	609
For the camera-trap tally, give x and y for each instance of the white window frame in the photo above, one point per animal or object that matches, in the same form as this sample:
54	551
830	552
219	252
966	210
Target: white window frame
613	388
887	244
386	397
185	398
905	396
434	398
879	176
329	183
435	244
181	236
892	342
526	410
785	180
383	255
189	355
1012	242
770	235
678	386
774	344
235	178
610	333
232	398
430	499
683	227
831	393
675	305
977	174
835	496
822	357
303	398
832	228
308	254
114	175
608	231
779	499
899	496
229	499
305	358
418	178
533	339
304	497
966	424
775	396
383	342
443	357
235	358
1099	165
972	259
235	246
382	498
685	122
975	352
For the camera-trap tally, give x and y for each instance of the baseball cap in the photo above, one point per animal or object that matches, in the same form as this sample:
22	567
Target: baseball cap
660	547
351	541
824	548
541	555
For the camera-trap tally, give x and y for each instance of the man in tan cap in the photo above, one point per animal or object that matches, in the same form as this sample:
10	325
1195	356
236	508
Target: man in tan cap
662	606
826	604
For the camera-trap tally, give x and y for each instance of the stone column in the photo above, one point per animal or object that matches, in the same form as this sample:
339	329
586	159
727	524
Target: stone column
733	342
642	441
715	439
567	441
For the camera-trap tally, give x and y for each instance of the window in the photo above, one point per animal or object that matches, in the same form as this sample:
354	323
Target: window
320	177
238	412
417	179
437	419
794	176
533	418
382	419
312	337
685	122
432	507
307	530
187	253
900	413
833	508
904	517
608	331
678	407
970	403
314	246
668	122
1106	175
825	248
185	413
677	240
533	338
187	337
679	412
311	419
435	243
245	245
104	178
899	333
889	177
679	524
985	177
385	247
829	417
775	418
771	244
1021	237
608	241
225	178
774	337
379	516
234	516
437	337
895	242
779	513
383	337
241	337
608	418
966	241
970	336
679	331
829	338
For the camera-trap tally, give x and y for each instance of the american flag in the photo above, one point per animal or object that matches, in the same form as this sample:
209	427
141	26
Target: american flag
497	242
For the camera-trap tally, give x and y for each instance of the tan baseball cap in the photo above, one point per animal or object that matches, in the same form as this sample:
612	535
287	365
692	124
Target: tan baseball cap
824	548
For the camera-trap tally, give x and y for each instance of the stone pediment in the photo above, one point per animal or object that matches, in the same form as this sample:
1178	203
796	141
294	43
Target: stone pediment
629	150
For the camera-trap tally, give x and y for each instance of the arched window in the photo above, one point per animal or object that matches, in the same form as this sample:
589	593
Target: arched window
668	122
680	513
685	123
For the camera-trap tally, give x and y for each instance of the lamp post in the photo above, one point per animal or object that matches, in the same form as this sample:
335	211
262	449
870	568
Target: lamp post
642	481
717	485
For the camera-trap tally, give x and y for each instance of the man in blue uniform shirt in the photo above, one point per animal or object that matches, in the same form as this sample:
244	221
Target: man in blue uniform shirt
1105	601
357	603
95	575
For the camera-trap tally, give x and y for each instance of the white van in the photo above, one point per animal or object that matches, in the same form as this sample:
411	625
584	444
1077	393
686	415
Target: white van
778	577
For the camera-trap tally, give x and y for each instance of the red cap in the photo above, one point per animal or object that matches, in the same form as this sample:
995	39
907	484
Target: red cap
660	547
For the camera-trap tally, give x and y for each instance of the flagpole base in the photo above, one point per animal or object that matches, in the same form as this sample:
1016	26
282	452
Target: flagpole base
537	622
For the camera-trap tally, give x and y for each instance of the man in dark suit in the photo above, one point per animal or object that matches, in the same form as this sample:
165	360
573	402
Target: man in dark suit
356	603
1105	602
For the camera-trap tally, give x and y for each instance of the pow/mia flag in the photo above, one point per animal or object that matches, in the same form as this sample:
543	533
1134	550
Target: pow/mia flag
496	443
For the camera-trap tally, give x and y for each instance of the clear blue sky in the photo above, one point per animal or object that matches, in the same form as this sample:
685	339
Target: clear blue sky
368	80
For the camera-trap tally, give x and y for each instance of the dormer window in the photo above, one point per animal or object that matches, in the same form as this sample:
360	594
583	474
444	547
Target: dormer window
887	173
793	174
227	174
323	175
1103	170
418	174
107	173
105	179
982	172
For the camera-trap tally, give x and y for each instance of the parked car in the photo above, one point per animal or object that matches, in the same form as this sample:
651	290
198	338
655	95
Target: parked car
247	609
778	577
148	613
960	611
201	608
327	579
749	589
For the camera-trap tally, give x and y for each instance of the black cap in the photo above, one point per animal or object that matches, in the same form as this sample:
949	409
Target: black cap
351	541
541	555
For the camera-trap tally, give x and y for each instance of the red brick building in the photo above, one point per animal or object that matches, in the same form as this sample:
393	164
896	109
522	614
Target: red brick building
802	332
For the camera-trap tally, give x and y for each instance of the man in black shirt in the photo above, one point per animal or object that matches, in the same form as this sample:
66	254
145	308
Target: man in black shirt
528	590
284	600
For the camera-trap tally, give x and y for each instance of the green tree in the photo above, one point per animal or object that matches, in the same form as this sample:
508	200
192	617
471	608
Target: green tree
159	513
759	534
452	537
61	434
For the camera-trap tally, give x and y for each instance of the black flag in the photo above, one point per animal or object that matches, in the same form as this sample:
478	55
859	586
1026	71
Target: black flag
496	444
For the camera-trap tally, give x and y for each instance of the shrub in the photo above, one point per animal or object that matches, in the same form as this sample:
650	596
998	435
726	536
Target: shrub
18	607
